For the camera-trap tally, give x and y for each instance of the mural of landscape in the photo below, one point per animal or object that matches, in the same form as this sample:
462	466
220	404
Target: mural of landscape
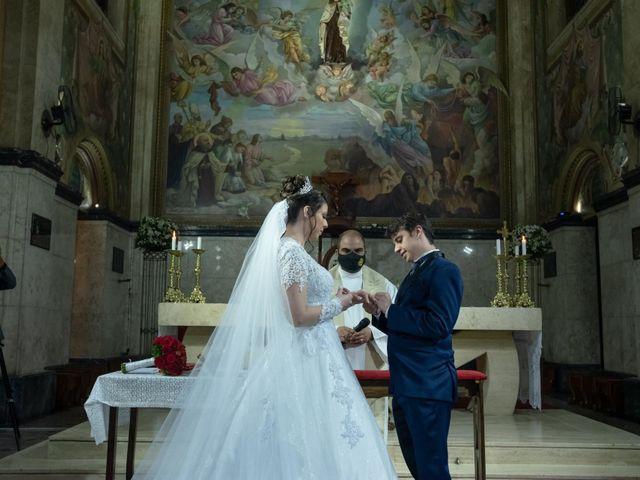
397	99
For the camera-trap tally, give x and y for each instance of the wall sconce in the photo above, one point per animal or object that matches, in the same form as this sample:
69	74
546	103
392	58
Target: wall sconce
62	113
621	113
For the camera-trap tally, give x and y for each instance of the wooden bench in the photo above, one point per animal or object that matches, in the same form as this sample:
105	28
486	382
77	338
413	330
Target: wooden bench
375	384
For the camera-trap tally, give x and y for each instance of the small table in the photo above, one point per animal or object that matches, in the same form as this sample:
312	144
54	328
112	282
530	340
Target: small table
117	390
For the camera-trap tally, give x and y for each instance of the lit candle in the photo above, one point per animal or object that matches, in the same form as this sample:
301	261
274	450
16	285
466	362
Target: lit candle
498	249
524	245
516	250
199	243
173	240
179	245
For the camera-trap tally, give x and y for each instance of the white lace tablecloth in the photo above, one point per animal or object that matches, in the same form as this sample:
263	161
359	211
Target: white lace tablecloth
129	391
529	347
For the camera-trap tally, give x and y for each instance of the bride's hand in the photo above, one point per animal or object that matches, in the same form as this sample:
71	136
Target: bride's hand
346	299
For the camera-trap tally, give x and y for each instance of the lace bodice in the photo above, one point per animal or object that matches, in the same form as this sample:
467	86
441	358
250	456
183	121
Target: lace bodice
297	266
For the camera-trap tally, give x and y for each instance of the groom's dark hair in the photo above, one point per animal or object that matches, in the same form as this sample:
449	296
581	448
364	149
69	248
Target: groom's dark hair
409	221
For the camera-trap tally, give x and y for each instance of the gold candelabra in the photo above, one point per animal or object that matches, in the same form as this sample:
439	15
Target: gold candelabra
196	295
522	298
502	298
174	294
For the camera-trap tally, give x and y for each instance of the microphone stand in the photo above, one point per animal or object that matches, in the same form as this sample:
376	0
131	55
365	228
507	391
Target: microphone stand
8	391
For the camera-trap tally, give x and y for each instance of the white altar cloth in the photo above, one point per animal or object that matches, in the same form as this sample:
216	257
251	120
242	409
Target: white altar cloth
129	391
529	347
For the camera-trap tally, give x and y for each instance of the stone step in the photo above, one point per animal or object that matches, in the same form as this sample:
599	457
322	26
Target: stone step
76	443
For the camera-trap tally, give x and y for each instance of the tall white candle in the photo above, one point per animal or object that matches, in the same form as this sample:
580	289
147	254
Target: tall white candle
516	250
199	243
524	245
173	240
498	249
179	245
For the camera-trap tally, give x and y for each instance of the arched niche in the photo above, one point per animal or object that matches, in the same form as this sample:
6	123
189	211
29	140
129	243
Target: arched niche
581	180
91	175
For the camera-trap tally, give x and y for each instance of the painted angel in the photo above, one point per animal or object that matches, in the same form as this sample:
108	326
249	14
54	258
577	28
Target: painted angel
197	64
191	68
246	78
220	31
335	83
400	139
286	29
417	86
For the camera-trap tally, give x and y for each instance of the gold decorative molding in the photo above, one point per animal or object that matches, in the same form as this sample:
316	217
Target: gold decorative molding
586	17
93	13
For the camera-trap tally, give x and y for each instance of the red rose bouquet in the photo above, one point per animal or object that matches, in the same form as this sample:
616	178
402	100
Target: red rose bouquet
169	355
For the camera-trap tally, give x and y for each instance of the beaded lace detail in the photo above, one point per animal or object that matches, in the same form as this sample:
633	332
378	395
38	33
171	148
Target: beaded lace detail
297	267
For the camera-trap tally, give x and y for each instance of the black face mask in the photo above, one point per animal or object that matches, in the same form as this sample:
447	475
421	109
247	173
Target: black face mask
351	262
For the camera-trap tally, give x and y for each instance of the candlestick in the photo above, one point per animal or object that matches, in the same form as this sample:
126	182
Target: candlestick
173	293
502	298
196	294
523	299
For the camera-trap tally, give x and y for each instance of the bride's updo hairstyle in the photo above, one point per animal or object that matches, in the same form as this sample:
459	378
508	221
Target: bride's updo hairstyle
294	191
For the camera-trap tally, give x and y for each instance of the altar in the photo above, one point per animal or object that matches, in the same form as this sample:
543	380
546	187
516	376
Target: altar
504	342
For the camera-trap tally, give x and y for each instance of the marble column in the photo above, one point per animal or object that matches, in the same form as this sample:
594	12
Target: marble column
145	109
32	48
522	105
631	70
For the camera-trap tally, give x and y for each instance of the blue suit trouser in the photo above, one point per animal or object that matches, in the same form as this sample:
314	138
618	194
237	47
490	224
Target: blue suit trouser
423	427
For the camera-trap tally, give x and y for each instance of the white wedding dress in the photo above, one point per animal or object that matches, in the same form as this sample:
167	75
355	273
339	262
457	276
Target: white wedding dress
270	401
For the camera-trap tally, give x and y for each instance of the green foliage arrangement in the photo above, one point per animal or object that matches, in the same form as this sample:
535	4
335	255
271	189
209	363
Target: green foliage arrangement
538	240
154	234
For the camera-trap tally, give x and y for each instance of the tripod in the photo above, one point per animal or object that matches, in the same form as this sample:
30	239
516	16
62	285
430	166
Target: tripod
11	404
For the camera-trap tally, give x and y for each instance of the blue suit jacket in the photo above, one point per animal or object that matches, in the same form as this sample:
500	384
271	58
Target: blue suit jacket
420	326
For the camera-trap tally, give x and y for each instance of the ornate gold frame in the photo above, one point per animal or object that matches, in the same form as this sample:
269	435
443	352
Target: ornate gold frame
504	147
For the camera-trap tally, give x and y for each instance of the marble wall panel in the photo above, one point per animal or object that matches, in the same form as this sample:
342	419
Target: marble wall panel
569	301
619	286
41	302
614	235
103	305
634	221
224	255
118	304
617	290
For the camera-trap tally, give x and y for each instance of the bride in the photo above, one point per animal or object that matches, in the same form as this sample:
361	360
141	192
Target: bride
273	396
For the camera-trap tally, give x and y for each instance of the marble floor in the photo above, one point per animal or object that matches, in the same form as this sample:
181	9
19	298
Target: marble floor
553	444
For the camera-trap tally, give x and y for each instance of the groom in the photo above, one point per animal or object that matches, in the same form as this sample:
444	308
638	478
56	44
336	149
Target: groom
419	325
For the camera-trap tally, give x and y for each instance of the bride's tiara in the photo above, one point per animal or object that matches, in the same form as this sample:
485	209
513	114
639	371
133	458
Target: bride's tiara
307	187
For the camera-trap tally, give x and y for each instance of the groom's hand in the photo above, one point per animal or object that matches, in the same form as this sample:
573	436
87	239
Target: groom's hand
370	306
383	301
